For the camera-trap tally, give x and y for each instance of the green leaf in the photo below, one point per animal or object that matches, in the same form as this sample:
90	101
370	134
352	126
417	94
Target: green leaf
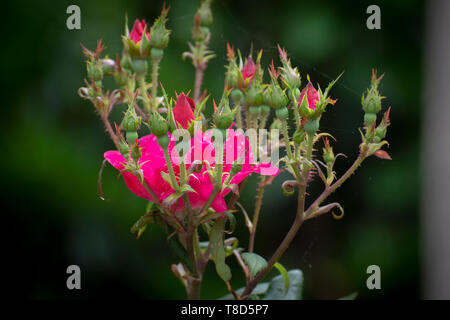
351	296
284	274
217	249
187	188
170	200
232	220
260	289
276	290
254	262
140	225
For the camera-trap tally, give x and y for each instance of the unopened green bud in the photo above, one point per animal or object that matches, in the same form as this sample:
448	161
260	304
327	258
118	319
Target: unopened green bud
131	121
328	156
255	110
140	66
311	126
369	119
199	34
124	149
380	133
282	113
204	14
132	136
224	121
254	96
372	104
265	110
159	36
156	54
277	98
163	140
94	71
159	126
236	96
298	137
120	77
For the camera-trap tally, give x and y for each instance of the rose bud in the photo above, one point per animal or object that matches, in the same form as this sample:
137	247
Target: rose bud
183	112
137	42
371	102
309	98
205	14
159	35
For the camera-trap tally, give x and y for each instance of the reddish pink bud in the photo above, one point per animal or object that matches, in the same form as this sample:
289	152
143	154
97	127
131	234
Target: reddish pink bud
183	112
382	155
138	30
282	53
248	71
312	96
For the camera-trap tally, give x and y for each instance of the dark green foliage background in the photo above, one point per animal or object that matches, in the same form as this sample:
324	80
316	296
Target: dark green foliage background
52	145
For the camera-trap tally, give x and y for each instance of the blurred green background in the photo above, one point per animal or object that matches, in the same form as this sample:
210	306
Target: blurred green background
52	147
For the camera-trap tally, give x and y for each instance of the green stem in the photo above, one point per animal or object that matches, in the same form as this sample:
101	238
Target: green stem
216	190
141	81
278	253
288	148
155	68
198	80
329	190
173	179
263	121
258	205
306	171
299	218
238	116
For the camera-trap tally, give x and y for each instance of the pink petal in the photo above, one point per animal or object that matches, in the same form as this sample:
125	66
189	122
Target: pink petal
117	160
138	29
183	111
248	71
312	96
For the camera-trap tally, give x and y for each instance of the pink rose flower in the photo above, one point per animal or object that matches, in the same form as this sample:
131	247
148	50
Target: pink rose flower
312	96
152	163
138	30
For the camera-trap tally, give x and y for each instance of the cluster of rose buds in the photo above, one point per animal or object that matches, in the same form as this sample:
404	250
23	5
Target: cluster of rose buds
191	168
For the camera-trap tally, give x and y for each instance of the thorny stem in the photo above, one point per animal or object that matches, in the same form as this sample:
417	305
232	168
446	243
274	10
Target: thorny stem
173	179
211	198
200	68
143	89
278	253
192	244
110	130
329	190
241	262
155	68
306	171
299	219
258	205
152	194
235	196
288	148
238	116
